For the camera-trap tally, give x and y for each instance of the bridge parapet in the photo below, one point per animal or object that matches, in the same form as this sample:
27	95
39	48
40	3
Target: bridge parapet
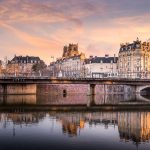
74	81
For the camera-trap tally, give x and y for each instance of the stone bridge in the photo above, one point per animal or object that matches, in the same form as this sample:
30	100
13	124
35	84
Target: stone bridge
24	85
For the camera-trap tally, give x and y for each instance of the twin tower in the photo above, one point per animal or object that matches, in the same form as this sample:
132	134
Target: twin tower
70	51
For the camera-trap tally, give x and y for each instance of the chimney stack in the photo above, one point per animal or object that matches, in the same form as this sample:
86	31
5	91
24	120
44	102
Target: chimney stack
114	58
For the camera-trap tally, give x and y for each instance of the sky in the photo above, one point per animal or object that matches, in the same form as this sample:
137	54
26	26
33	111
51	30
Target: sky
42	27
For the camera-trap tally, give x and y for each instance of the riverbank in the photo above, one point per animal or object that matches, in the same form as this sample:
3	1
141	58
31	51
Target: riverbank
118	107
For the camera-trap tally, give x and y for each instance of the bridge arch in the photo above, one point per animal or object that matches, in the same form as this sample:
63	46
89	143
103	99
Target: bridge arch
139	89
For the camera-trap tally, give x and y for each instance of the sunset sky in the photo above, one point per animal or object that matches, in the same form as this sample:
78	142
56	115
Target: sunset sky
43	27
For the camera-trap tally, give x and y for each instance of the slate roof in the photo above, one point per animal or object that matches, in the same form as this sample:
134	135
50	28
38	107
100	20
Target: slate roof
101	59
131	46
22	59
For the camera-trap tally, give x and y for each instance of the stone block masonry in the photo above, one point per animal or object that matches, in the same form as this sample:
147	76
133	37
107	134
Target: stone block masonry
57	89
18	89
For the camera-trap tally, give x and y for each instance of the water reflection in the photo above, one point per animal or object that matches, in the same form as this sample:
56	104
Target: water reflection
131	126
18	99
72	99
21	118
134	126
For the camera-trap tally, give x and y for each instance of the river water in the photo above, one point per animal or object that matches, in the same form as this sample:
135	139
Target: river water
75	130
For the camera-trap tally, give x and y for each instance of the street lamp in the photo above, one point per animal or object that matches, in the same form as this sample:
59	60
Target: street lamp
53	65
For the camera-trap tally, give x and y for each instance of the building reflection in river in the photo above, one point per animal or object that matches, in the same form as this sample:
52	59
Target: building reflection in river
21	118
132	126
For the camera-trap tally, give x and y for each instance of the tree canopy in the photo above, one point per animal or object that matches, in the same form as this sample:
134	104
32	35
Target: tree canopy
39	67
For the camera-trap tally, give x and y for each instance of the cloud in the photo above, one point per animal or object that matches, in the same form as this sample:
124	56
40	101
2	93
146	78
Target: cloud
16	11
28	38
42	27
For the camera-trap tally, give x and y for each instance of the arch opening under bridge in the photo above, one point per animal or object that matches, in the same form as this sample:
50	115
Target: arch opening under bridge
145	91
142	88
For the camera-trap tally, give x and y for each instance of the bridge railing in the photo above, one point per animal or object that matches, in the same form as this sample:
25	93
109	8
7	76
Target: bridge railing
70	78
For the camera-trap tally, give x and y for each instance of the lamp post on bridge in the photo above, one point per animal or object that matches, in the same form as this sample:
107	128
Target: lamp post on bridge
53	65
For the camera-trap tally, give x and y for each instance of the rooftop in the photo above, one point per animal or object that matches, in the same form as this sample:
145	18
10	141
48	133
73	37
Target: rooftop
28	59
105	59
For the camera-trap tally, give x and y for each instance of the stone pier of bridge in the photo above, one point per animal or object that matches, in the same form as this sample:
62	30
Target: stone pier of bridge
91	95
18	89
92	89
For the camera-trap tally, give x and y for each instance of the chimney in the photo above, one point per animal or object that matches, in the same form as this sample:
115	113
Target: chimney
91	56
106	55
114	58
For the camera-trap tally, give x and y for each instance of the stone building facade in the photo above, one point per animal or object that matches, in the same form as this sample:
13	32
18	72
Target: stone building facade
70	64
22	65
3	68
133	60
99	67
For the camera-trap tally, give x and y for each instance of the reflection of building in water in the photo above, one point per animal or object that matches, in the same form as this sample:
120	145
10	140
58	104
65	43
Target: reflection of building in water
72	128
21	118
12	120
72	123
104	118
134	126
28	118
